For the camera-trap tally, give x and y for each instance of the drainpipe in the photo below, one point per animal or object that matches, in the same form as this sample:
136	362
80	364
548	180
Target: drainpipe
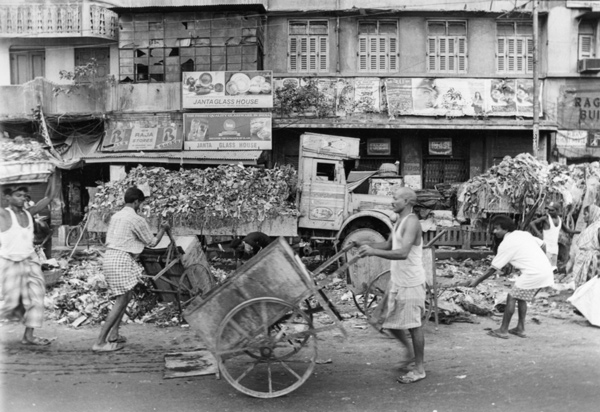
536	100
337	43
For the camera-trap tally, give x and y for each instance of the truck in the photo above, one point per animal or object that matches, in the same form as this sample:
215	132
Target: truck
331	212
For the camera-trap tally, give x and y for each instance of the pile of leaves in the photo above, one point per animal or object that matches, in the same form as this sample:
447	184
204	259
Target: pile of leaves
205	197
516	185
22	150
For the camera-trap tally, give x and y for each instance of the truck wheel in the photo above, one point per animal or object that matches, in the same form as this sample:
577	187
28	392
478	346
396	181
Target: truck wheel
366	269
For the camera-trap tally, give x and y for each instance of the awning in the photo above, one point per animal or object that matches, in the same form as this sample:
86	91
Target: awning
246	157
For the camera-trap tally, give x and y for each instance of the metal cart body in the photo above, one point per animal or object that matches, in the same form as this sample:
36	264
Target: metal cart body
259	325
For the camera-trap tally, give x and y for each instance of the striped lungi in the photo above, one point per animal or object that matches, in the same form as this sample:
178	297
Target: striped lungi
121	271
400	308
23	289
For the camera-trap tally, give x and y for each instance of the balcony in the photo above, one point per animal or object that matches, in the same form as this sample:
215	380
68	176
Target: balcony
58	20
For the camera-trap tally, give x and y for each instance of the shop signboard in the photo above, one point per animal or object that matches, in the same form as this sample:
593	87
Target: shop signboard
579	106
227	90
440	146
119	138
227	131
379	146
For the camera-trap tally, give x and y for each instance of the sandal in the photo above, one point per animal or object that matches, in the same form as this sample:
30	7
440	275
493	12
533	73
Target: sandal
36	341
497	335
120	339
517	333
411	377
108	347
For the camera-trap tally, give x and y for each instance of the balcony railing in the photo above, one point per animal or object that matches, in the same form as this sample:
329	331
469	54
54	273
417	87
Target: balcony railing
58	20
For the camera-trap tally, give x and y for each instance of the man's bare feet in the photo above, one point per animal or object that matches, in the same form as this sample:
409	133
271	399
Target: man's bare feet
34	340
517	332
107	347
497	334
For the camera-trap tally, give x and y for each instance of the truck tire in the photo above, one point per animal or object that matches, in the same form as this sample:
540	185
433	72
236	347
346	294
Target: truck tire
366	269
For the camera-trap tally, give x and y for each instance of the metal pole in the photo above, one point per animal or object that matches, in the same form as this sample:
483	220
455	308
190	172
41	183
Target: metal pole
536	101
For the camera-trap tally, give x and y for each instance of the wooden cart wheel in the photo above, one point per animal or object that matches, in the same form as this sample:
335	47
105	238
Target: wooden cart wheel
266	347
196	280
376	290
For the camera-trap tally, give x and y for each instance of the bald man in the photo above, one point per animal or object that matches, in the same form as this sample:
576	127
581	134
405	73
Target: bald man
403	304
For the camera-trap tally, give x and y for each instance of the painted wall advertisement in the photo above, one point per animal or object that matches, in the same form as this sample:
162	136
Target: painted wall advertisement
579	107
213	90
226	131
120	138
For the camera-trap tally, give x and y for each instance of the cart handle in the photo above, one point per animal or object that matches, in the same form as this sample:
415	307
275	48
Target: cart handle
439	235
332	259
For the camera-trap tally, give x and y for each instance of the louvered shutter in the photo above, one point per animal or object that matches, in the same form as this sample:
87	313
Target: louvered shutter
363	54
451	42
393	54
383	54
501	55
293	54
529	55
520	54
586	43
510	52
303	53
461	54
442	53
312	54
323	54
431	54
373	54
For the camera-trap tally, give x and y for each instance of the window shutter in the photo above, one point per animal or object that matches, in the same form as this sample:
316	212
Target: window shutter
461	54
312	54
393	53
303	54
383	54
501	55
451	42
323	54
363	54
529	55
586	43
442	54
520	55
293	54
510	51
431	54
373	55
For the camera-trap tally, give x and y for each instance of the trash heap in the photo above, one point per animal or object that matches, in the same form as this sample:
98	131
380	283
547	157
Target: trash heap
24	161
205	197
523	185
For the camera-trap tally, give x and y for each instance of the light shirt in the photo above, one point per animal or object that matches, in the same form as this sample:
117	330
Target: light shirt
16	243
523	251
407	272
551	236
128	231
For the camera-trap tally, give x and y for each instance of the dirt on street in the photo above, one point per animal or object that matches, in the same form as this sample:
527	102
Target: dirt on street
556	368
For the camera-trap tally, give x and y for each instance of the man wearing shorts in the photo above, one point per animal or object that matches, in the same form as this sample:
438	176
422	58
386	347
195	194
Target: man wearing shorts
127	235
403	304
523	251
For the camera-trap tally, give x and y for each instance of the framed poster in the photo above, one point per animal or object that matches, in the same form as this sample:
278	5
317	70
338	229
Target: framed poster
440	146
380	146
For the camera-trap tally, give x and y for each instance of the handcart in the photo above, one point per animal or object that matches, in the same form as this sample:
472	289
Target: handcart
259	324
171	279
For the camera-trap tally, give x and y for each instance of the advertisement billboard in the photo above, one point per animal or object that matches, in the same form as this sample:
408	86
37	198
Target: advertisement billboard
227	131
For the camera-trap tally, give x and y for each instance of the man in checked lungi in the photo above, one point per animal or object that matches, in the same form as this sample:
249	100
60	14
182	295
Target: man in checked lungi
23	284
128	234
525	252
403	304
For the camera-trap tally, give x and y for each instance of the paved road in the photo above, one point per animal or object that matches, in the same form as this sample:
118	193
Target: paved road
557	368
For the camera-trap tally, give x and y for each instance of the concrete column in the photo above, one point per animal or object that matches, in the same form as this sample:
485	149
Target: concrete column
4	62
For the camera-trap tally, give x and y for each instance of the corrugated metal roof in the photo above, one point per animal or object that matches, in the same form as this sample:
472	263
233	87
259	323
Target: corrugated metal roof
187	157
134	4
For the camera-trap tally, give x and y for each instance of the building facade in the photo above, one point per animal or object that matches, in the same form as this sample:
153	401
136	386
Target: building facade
442	89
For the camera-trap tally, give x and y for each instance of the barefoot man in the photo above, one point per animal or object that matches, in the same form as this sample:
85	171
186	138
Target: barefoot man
127	235
23	283
524	252
403	304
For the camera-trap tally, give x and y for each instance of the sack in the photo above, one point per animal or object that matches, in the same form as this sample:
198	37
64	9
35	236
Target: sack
587	300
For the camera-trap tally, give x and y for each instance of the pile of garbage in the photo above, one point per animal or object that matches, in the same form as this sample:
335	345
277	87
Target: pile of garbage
523	185
205	197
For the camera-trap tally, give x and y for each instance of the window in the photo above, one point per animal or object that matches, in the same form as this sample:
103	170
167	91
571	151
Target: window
587	40
101	55
26	65
447	46
377	46
514	51
308	46
157	47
